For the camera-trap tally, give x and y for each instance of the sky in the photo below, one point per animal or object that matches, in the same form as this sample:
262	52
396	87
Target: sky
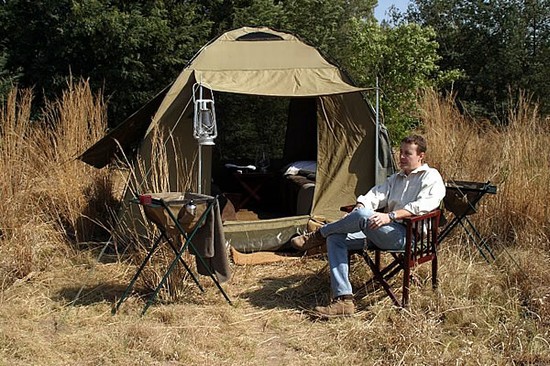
383	5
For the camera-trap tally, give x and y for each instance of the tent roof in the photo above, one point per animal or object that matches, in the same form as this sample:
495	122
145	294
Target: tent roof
263	61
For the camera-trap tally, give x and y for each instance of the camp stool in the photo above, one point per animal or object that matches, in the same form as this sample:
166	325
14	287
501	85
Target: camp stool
167	215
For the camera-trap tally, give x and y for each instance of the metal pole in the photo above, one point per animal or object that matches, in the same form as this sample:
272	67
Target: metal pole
199	187
377	137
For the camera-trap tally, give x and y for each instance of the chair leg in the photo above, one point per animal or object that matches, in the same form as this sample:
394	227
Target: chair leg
381	276
377	259
406	284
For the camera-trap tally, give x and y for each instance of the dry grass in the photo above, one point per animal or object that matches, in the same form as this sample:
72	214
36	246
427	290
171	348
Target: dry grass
482	314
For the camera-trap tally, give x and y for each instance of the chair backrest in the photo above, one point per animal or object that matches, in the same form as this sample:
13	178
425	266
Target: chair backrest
422	233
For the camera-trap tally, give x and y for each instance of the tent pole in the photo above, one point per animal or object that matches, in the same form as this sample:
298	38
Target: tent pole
377	137
199	186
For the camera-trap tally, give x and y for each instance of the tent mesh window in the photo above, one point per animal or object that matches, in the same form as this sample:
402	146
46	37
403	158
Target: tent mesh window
260	36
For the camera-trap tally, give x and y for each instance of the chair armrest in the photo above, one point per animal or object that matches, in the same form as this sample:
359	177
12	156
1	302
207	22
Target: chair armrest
408	220
416	218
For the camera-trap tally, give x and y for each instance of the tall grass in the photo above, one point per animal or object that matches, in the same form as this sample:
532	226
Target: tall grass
48	196
515	157
483	313
134	232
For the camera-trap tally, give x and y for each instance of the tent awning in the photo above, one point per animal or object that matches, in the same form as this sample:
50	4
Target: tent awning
125	136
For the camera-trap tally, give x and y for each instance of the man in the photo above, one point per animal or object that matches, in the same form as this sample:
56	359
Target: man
414	190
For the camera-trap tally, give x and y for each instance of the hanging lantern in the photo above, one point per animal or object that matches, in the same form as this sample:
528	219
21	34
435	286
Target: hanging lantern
204	121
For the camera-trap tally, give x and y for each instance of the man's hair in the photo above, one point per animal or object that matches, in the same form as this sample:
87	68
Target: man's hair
418	140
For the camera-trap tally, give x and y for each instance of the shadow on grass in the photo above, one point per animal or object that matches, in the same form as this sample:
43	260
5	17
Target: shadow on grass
89	295
305	291
112	293
290	292
296	291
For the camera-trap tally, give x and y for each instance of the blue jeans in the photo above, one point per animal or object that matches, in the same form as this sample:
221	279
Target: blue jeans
349	233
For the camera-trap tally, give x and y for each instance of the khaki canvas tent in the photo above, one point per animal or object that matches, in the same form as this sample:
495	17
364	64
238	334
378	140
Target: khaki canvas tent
352	152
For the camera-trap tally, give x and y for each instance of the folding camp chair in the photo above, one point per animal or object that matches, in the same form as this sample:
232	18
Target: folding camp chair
461	199
174	214
420	247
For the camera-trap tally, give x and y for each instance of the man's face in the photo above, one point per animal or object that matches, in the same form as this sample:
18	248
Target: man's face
409	158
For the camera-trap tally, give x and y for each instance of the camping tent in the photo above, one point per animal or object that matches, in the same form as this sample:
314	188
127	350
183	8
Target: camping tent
265	62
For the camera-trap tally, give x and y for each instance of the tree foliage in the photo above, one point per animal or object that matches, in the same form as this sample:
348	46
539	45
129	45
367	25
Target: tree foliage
501	46
133	49
7	79
130	49
404	58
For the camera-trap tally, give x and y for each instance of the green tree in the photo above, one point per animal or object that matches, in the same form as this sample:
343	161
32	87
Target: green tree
130	49
501	46
404	58
7	79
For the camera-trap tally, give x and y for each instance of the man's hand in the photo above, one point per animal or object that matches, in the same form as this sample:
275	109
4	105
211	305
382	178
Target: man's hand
378	219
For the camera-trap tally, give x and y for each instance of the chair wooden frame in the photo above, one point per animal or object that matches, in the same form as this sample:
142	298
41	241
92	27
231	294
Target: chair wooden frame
420	247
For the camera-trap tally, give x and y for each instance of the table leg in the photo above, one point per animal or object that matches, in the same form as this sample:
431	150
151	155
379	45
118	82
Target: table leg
136	275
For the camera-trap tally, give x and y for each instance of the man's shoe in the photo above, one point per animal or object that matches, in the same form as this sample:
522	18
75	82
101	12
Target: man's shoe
340	306
307	241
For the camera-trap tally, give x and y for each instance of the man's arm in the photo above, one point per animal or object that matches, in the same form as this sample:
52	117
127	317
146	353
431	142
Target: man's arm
383	218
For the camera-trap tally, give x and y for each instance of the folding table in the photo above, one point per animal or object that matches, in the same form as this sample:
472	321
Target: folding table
174	214
461	199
